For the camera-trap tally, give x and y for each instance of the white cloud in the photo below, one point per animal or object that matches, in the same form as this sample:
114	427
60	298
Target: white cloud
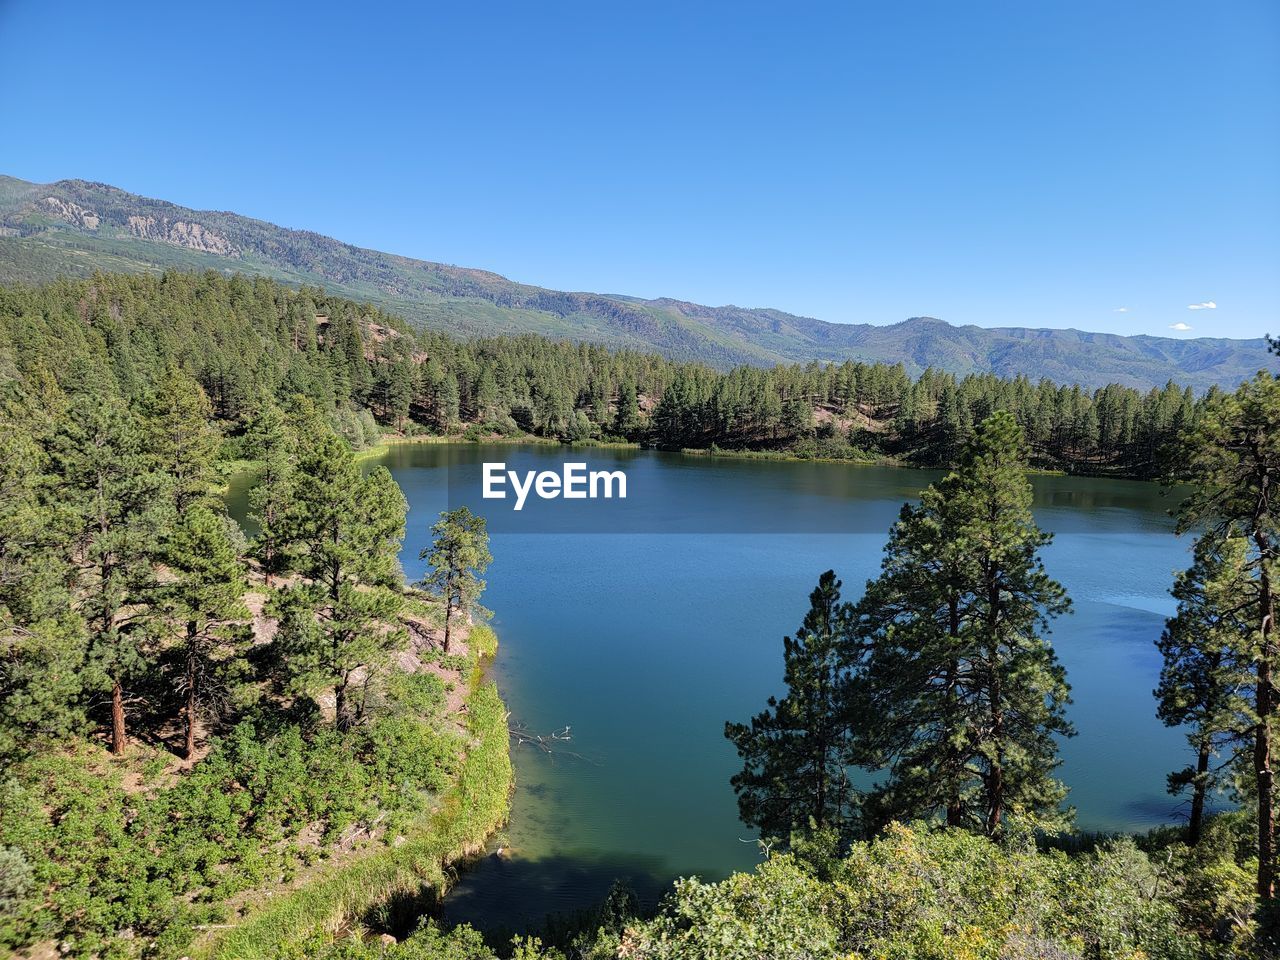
1179	326
1120	310
1206	305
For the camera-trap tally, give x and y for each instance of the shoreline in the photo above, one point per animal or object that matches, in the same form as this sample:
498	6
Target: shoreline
780	456
469	815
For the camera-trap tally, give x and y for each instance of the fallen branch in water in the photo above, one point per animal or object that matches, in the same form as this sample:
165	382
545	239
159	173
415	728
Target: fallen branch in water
548	743
543	741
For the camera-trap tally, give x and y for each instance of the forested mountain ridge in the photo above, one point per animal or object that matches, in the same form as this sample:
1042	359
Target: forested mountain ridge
72	227
248	341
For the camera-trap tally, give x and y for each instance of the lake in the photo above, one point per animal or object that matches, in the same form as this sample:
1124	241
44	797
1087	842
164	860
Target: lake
644	641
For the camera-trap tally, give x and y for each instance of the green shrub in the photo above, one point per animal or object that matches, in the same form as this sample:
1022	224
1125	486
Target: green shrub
296	925
156	862
919	893
483	641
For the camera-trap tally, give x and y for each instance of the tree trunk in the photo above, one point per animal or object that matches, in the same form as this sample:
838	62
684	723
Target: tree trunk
448	619
119	740
955	809
1201	787
995	780
340	704
1266	785
1266	707
192	695
189	748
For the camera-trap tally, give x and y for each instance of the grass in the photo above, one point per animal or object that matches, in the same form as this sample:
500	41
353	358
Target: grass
856	457
473	809
372	453
483	642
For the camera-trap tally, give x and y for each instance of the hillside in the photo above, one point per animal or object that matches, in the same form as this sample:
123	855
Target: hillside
73	227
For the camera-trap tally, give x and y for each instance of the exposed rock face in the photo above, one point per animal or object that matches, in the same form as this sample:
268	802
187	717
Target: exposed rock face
182	233
73	213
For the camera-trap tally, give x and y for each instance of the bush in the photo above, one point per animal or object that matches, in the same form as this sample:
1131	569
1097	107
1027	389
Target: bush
920	893
158	861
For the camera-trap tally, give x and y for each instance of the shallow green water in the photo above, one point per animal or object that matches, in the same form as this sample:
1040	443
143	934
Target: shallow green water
645	643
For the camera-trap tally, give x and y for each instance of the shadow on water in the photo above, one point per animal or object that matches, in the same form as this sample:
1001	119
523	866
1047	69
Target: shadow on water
554	898
546	896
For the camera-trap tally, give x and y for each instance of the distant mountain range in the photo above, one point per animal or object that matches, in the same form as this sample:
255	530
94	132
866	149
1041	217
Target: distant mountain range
74	227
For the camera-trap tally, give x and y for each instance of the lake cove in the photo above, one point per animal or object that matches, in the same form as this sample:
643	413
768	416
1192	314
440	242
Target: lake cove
644	641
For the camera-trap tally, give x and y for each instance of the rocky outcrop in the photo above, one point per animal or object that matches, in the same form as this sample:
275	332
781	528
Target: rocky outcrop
73	213
181	233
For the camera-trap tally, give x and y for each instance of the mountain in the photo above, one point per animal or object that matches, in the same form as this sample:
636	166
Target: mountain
74	227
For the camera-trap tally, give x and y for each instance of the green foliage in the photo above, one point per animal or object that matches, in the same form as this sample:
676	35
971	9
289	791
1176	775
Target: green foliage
939	677
17	885
924	894
1206	674
797	753
183	437
483	642
961	696
271	442
41	640
203	604
251	343
1233	456
115	500
120	573
299	924
458	554
159	861
340	625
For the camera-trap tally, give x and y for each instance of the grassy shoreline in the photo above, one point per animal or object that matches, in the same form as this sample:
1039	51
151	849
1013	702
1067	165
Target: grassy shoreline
472	811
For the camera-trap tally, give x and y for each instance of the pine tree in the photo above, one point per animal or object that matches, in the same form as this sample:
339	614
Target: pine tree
626	418
270	440
487	401
1233	458
1203	676
340	625
458	554
968	695
118	504
911	620
797	752
206	601
41	636
182	437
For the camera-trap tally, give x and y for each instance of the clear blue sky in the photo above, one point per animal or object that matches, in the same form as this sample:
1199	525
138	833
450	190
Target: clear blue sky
1039	163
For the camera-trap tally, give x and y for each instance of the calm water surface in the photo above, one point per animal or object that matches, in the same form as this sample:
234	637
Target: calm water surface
645	643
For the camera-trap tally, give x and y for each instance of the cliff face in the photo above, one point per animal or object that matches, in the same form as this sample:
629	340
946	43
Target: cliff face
180	233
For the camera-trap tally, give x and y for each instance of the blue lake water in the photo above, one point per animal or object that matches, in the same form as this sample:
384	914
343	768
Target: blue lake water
645	643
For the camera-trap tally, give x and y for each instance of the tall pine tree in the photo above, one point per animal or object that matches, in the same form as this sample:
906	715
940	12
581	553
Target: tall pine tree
118	503
339	626
205	599
967	696
1233	458
458	554
797	753
1205	671
41	635
270	440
